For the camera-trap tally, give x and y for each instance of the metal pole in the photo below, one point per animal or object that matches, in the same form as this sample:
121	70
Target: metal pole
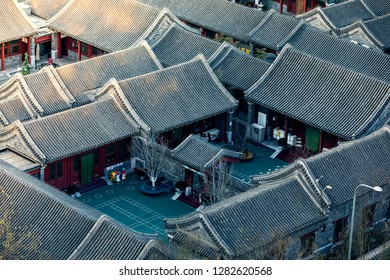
352	222
377	189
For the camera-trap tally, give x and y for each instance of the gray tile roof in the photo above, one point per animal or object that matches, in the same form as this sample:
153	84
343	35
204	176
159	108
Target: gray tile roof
55	221
379	7
12	110
218	15
322	94
93	73
272	29
194	245
244	223
61	226
178	46
111	241
379	28
108	25
196	152
176	96
342	52
48	91
14	23
81	129
229	59
46	8
363	161
347	13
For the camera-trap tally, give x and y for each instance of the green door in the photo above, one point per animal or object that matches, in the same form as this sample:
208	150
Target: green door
86	169
312	138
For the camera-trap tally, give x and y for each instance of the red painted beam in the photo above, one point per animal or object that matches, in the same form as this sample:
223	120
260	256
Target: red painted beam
281	7
29	49
58	45
78	50
2	56
43	39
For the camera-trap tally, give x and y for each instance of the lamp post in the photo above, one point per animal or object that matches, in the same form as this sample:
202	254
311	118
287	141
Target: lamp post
377	189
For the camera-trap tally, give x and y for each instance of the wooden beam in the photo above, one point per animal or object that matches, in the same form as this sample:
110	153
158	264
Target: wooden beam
78	50
29	49
281	7
2	56
59	45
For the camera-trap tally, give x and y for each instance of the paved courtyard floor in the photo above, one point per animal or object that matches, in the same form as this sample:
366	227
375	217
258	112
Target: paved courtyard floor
261	163
129	206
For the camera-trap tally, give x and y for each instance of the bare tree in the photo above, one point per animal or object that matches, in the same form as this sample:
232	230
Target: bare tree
219	183
152	152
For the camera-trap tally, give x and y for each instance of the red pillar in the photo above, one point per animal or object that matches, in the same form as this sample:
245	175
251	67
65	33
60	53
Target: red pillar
2	56
79	50
59	45
28	49
281	6
320	145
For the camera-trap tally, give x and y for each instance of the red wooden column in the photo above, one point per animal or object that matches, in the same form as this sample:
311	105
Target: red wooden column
59	51
78	51
28	49
281	6
2	56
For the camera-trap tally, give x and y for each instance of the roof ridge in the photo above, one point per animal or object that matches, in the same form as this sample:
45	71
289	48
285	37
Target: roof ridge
29	95
302	25
220	54
59	85
87	237
268	16
60	12
151	53
135	119
165	33
279	58
368	8
25	17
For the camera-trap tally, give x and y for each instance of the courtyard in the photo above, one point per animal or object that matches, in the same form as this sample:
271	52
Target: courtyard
261	163
125	203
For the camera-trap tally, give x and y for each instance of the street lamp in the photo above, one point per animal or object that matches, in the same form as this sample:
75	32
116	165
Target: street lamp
376	189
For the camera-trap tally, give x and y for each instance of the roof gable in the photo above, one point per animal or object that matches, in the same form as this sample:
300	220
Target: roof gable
347	13
221	16
93	73
196	152
81	129
321	94
176	96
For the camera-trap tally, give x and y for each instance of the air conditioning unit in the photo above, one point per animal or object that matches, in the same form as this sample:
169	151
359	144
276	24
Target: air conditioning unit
257	132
